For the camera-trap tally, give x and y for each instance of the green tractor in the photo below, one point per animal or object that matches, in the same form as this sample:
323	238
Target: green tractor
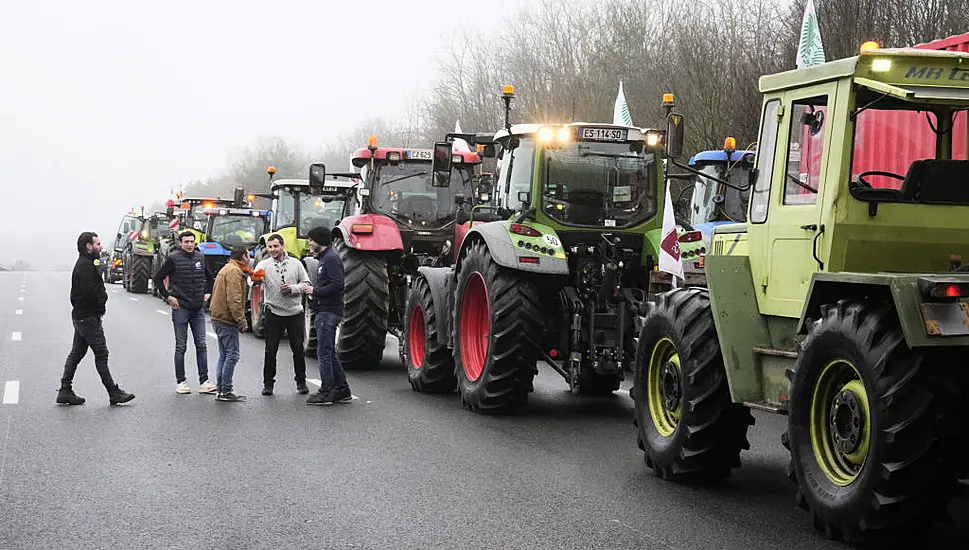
840	303
139	251
128	229
555	272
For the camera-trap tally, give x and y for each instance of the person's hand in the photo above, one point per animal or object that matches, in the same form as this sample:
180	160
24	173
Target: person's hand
206	297
287	288
172	301
308	290
244	328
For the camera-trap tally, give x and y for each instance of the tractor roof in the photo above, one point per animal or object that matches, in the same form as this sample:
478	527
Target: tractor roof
342	183
634	133
905	73
362	155
721	156
254	212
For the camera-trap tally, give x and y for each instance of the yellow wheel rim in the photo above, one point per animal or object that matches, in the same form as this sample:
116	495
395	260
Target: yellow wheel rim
665	387
840	422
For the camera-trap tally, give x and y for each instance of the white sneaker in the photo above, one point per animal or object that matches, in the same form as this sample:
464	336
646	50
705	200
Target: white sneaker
182	387
208	387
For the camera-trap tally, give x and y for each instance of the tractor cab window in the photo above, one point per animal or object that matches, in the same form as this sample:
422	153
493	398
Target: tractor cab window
316	211
404	192
909	152
159	229
715	202
515	173
232	231
596	184
805	150
285	209
766	147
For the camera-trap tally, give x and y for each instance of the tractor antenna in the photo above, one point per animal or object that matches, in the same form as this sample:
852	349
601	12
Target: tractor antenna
507	94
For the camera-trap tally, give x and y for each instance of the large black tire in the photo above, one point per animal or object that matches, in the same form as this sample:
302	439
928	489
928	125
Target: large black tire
429	363
309	330
689	428
257	311
950	383
140	269
495	375
896	488
363	332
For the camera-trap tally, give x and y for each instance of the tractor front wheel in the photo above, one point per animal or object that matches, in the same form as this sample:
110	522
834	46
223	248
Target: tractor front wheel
430	366
367	304
688	426
140	267
497	325
865	452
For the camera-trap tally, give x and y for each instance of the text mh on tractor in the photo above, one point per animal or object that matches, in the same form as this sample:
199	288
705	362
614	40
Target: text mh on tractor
556	273
838	303
299	205
399	220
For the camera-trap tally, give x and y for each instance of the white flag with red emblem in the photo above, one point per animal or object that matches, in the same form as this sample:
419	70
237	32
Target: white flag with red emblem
173	224
669	247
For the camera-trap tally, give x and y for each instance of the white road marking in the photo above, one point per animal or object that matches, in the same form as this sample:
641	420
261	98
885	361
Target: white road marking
16	336
11	392
317	382
162	311
213	335
20	299
19	312
133	299
22	291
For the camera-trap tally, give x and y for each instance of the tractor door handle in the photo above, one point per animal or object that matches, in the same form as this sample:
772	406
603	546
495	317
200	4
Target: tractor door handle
810	227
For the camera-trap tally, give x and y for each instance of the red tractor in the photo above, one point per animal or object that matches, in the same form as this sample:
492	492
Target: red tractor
399	219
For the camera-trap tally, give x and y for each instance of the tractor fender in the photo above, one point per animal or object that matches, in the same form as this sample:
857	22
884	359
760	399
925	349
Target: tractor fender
384	235
498	239
439	280
213	249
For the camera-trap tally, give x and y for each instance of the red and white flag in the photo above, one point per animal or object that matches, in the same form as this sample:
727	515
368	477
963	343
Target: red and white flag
173	225
669	247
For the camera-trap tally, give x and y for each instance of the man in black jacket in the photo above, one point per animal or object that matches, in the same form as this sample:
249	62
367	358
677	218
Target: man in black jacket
88	298
189	287
326	297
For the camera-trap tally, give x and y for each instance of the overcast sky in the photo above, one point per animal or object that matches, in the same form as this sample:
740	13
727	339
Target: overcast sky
106	105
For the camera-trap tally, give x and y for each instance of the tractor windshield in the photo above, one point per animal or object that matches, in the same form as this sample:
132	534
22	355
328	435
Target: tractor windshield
316	211
713	202
405	193
909	152
236	230
599	184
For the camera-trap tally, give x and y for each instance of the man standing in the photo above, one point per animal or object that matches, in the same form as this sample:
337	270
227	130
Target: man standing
88	298
190	285
327	300
228	314
286	280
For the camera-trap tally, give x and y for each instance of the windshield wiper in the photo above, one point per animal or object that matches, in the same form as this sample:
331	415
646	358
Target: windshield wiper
402	178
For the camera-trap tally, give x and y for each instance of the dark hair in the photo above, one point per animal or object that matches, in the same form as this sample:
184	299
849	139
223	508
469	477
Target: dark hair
320	235
85	239
239	253
183	234
275	237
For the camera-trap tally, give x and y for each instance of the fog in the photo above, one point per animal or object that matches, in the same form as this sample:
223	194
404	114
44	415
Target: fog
108	105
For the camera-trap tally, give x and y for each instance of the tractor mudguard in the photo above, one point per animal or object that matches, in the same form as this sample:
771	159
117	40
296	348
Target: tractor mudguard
926	322
370	232
213	249
498	238
439	280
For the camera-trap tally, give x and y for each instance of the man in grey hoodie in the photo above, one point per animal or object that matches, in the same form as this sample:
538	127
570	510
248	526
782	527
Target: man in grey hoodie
283	295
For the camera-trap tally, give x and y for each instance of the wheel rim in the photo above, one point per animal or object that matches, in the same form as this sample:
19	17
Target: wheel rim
840	422
475	326
665	387
416	336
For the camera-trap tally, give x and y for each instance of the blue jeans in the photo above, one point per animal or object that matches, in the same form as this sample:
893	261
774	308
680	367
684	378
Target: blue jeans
181	319
332	377
228	354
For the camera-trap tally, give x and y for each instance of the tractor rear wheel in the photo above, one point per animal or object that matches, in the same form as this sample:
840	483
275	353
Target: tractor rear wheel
140	268
688	425
367	298
309	330
430	366
497	325
256	311
865	452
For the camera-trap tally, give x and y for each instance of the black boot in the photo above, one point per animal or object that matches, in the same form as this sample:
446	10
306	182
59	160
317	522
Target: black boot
118	395
66	396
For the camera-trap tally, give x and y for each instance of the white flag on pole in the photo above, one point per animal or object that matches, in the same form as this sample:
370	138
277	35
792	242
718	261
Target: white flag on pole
459	144
620	113
810	51
669	247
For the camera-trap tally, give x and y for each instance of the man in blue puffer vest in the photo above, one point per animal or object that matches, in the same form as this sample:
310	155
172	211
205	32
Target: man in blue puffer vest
189	287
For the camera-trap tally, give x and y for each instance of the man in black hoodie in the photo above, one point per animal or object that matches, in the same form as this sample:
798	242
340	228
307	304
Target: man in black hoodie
88	298
327	302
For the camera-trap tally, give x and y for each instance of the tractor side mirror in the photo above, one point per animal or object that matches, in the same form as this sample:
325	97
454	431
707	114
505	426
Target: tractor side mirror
752	177
238	197
488	151
459	199
317	175
674	135
525	197
441	164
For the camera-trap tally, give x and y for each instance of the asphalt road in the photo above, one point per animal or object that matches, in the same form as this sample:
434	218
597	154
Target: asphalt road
394	469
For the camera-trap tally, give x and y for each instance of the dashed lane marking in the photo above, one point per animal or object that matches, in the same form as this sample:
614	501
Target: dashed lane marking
16	336
11	392
20	299
19	312
162	311
318	383
133	299
213	335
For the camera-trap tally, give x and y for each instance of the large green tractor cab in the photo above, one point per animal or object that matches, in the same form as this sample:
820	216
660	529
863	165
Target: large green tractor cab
556	274
127	230
299	205
841	302
139	252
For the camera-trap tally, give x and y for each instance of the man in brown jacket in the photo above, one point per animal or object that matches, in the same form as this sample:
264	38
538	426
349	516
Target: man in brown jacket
229	319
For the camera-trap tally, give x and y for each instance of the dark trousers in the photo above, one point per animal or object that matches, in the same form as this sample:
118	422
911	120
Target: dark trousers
332	377
274	325
88	333
182	319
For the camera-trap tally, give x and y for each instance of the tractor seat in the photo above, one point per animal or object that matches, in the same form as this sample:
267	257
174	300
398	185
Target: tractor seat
934	181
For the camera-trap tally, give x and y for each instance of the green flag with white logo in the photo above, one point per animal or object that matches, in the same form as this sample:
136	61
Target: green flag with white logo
809	49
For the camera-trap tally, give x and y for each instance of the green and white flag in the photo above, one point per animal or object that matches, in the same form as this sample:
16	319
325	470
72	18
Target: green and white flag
809	49
620	114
